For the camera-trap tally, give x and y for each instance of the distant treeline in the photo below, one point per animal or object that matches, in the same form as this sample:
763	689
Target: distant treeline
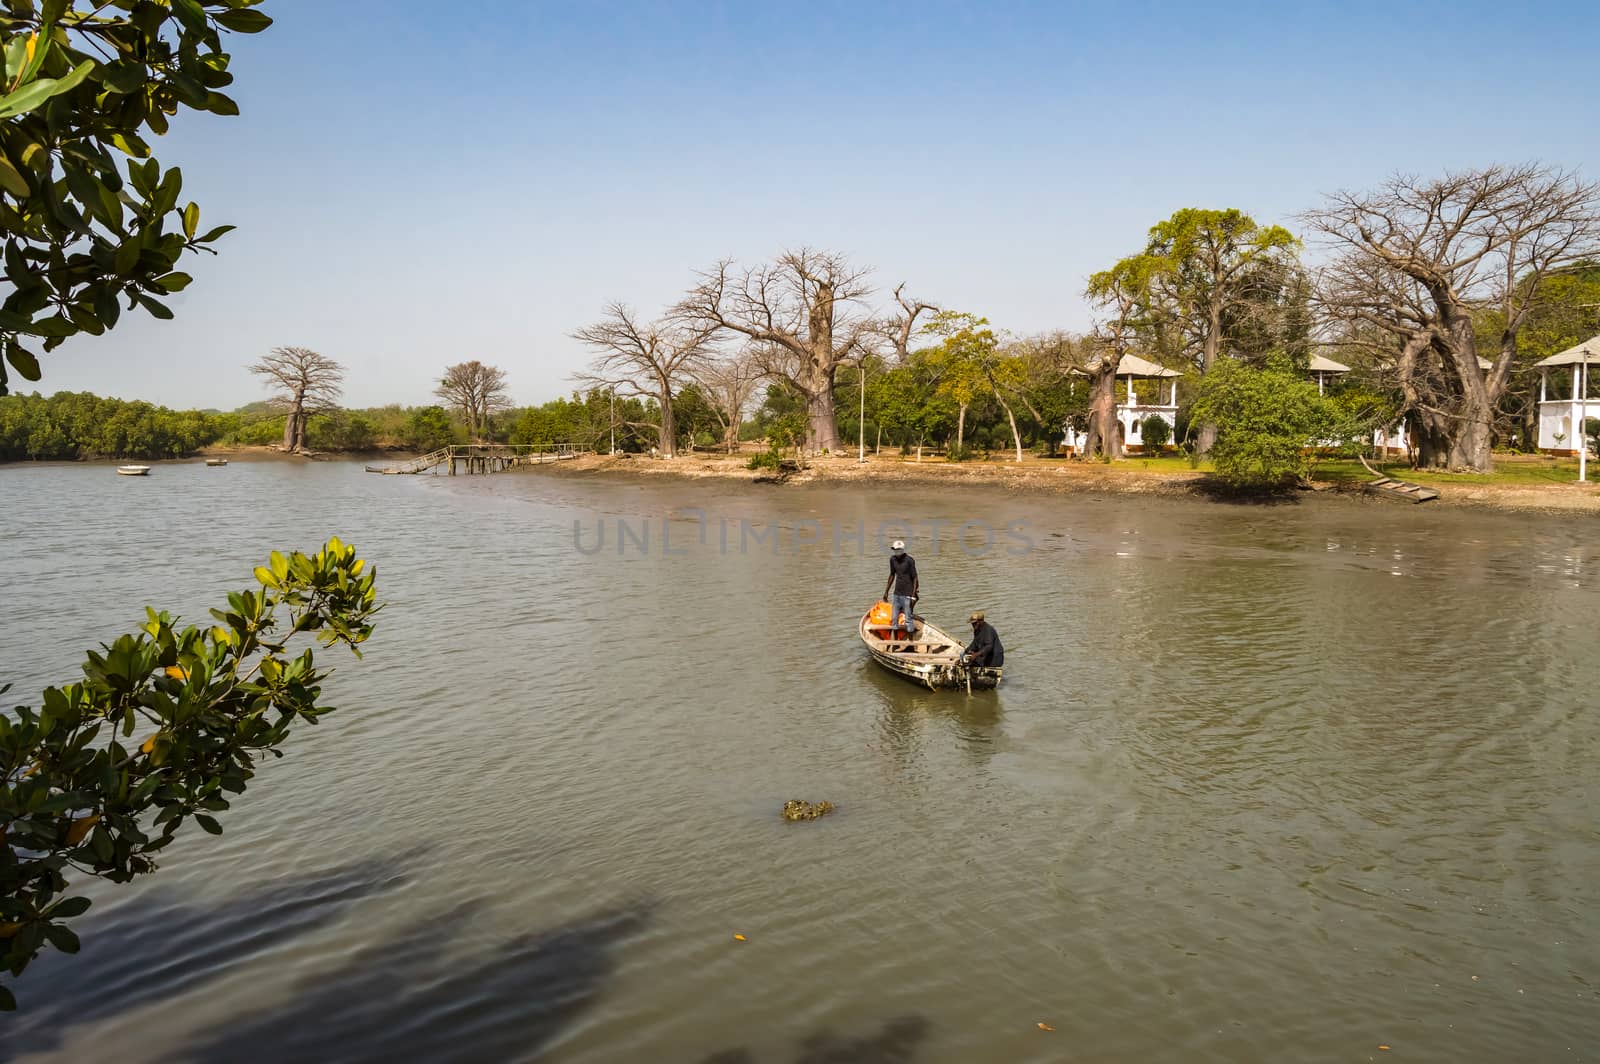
78	425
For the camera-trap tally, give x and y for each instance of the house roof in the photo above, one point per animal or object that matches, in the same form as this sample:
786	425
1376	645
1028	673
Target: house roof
1588	351
1327	365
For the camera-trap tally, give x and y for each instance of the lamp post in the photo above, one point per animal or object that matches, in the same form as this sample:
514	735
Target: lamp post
613	419
1583	417
861	421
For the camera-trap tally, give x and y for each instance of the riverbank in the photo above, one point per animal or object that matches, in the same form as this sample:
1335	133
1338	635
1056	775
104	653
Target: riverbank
1522	483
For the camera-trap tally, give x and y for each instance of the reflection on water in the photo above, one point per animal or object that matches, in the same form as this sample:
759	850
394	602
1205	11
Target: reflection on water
1262	783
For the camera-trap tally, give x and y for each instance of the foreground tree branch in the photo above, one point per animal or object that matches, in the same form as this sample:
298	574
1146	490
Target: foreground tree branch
165	728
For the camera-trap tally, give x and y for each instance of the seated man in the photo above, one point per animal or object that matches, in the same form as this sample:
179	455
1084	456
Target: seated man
985	648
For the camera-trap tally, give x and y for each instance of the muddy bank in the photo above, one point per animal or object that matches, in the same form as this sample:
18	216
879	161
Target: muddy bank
1050	476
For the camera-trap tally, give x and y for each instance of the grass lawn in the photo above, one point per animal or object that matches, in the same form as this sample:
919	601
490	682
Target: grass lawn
1510	470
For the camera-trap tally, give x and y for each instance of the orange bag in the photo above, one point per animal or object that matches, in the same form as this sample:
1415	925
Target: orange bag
882	615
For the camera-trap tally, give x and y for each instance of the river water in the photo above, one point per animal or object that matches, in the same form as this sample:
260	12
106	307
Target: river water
1262	783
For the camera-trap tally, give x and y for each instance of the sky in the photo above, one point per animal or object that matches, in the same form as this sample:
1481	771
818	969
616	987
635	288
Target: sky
417	184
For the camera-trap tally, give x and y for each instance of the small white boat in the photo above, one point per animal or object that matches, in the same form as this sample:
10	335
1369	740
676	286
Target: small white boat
216	461
929	656
133	470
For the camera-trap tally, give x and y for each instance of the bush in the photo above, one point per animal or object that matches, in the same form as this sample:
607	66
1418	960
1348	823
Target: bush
430	429
959	453
1155	432
1267	420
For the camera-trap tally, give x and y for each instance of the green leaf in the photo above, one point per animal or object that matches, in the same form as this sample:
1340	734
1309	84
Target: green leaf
12	181
67	908
30	96
191	14
124	76
8	1001
218	104
191	220
208	823
24	363
243	21
221	230
61	938
174	282
156	309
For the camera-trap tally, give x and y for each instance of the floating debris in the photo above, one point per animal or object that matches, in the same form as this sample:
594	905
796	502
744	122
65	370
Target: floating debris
1044	1027
798	810
739	938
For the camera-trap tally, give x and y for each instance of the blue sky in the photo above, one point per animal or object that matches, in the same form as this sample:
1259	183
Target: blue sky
416	184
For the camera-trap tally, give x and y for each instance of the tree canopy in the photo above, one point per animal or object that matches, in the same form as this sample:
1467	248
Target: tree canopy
86	236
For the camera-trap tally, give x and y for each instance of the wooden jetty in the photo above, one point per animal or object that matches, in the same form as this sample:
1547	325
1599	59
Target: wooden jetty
1394	488
1401	489
481	458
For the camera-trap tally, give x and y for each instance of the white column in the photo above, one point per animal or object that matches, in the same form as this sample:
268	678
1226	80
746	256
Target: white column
1544	384
1574	383
1172	396
1131	400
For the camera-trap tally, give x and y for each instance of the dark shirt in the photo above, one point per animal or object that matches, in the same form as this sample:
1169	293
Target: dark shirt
903	573
985	648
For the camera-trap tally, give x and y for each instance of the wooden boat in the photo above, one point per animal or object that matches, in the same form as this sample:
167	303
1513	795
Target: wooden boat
216	461
133	470
929	657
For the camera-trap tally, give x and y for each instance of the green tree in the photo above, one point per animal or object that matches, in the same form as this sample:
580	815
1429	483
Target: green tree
1268	419
1210	274
165	728
87	81
429	429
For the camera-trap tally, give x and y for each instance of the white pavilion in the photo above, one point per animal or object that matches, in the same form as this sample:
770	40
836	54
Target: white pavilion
1132	412
1561	420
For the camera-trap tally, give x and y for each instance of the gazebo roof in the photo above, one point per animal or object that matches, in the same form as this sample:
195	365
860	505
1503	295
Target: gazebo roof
1134	366
1327	365
1588	351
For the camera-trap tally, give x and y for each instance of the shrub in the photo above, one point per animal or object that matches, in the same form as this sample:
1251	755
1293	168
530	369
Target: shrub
1155	432
1266	422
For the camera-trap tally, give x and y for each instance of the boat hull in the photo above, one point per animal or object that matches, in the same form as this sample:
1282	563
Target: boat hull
930	658
133	471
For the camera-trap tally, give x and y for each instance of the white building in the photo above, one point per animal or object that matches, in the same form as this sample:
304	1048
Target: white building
1561	420
1132	411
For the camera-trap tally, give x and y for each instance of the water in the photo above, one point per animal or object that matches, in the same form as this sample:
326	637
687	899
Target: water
1262	783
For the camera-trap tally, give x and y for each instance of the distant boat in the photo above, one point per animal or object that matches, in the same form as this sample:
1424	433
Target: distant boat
133	470
929	657
216	461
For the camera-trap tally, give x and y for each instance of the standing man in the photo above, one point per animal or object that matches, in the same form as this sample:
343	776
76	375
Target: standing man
902	589
985	648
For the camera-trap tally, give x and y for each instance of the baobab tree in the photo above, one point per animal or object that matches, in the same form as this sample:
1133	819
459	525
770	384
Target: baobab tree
647	359
1418	261
1123	296
307	383
803	312
477	391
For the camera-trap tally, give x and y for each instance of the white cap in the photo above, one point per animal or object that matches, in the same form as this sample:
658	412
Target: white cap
899	544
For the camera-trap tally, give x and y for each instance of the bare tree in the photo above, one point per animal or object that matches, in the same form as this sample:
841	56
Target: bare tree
1416	259
728	385
477	390
898	328
650	359
307	383
799	309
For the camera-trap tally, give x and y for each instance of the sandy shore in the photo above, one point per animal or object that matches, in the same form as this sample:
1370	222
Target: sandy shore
1048	476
